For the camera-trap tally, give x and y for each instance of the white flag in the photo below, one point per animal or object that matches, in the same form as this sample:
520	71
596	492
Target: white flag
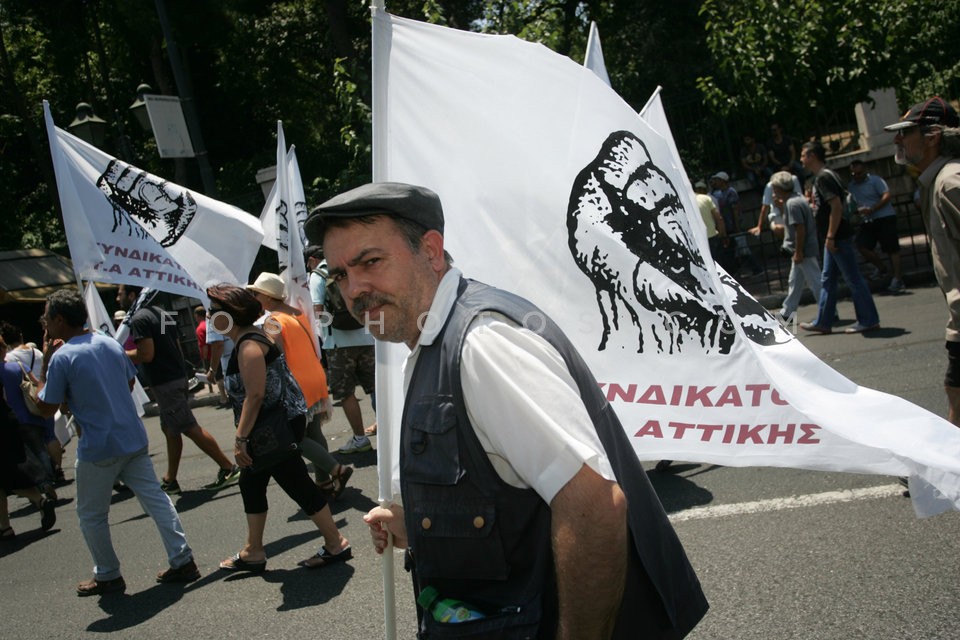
100	321
593	59
554	188
126	226
282	218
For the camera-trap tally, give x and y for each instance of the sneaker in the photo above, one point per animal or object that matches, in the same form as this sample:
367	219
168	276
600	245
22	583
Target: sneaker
860	328
357	444
815	328
896	286
185	573
225	477
170	487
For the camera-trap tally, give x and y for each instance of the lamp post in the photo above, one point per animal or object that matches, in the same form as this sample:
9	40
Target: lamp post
139	106
185	89
88	126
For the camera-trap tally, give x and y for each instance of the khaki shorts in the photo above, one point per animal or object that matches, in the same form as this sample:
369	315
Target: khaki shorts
174	404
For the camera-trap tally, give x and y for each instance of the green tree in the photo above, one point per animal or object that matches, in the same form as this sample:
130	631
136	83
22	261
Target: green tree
811	61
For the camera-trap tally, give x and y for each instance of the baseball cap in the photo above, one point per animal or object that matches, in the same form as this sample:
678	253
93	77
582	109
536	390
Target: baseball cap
119	314
934	110
396	199
721	175
269	284
700	184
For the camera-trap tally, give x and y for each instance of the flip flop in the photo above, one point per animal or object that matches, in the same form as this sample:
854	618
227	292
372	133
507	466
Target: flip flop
326	558
371	430
236	563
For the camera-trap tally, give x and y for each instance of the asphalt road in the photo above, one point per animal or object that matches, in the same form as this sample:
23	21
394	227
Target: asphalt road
778	555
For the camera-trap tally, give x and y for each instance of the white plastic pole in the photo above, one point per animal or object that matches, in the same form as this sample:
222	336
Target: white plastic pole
377	7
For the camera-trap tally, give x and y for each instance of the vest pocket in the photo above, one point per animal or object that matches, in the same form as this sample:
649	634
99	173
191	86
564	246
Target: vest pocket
511	623
454	535
432	455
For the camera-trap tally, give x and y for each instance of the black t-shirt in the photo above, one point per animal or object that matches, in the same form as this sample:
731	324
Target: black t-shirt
781	151
827	186
167	364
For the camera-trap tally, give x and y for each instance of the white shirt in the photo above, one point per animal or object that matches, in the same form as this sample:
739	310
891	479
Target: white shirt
521	399
32	359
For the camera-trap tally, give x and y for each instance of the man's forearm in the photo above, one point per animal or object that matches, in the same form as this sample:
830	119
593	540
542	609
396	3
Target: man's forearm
836	214
589	521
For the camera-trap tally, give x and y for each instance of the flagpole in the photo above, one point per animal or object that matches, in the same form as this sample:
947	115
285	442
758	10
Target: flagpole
379	171
653	96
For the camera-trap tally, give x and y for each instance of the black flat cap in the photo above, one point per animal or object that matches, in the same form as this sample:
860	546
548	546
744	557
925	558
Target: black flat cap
417	204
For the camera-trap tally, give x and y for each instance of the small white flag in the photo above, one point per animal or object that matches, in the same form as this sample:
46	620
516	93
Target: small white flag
282	219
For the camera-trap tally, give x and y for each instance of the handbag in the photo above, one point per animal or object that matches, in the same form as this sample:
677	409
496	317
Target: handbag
28	388
272	438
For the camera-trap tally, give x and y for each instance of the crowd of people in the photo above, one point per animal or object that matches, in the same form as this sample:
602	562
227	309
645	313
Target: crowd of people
849	229
492	516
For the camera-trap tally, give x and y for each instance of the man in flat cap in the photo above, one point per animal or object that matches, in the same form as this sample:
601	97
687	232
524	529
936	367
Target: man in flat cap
515	473
929	140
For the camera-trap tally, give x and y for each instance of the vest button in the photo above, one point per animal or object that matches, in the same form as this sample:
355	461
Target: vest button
426	523
478	522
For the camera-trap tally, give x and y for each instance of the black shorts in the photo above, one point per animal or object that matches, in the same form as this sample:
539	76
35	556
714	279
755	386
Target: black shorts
952	379
881	230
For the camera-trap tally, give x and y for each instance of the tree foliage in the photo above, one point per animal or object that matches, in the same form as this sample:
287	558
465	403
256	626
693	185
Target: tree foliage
815	59
307	63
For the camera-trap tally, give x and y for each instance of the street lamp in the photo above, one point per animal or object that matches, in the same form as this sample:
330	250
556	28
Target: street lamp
139	107
88	126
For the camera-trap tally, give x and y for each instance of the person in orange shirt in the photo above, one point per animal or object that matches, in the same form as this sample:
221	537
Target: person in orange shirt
291	331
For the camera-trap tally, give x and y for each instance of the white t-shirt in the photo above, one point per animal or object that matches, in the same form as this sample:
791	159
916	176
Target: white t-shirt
31	358
521	399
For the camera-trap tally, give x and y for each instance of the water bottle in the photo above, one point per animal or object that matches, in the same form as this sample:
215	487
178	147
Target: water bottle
446	610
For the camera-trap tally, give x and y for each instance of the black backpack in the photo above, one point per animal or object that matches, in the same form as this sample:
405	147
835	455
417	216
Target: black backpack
334	308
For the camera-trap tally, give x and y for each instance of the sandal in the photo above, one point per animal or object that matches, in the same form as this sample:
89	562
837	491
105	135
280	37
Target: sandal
341	479
324	558
333	488
236	563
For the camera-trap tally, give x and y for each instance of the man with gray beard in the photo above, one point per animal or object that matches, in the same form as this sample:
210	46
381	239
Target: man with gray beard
929	140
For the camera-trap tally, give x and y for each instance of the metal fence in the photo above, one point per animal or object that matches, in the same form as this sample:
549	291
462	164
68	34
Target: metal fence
914	251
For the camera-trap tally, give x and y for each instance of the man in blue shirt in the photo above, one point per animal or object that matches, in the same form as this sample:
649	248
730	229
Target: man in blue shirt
92	374
878	223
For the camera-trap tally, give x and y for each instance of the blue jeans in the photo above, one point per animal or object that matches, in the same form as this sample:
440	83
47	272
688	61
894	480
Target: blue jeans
844	261
94	490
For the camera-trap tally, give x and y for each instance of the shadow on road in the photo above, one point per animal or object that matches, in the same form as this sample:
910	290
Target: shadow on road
677	492
129	610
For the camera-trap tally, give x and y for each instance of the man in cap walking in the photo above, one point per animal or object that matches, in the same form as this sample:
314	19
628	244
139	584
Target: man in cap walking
928	139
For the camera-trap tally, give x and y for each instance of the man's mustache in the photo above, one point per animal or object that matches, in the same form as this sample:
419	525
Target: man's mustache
366	301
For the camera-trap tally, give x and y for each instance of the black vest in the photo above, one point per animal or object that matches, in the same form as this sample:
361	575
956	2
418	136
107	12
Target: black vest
477	539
